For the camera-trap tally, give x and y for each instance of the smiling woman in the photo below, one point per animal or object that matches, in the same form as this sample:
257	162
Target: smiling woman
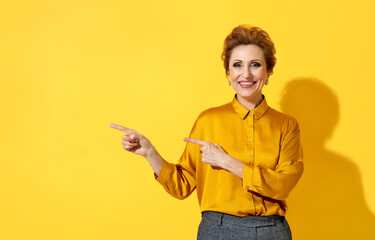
242	157
248	73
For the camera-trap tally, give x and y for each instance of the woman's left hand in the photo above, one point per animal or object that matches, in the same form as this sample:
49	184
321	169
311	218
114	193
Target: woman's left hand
212	153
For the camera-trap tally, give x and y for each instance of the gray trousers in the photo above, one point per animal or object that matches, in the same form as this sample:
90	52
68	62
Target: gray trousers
221	226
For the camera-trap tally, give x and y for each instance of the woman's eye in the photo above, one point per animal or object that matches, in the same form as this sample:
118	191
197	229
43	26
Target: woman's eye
237	65
255	64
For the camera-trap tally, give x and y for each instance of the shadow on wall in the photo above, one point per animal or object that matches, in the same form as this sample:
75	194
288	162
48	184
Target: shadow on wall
328	202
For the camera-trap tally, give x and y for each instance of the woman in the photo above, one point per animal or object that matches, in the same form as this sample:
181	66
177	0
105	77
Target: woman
243	157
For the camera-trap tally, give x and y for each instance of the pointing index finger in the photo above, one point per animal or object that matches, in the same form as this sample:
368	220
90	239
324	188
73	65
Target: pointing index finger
121	128
196	141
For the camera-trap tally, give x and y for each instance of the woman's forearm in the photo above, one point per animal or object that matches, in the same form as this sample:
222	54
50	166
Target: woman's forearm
155	160
234	166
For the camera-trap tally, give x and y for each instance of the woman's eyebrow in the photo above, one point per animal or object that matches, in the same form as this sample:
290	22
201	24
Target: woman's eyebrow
250	60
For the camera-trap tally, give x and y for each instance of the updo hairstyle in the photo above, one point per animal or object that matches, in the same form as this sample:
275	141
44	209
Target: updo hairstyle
244	35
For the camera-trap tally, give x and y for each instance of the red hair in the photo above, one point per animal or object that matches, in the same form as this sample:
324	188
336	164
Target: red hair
244	35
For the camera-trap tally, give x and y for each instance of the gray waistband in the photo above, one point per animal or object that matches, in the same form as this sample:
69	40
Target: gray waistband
248	221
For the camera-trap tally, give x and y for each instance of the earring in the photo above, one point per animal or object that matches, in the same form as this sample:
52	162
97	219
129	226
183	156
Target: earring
266	81
229	82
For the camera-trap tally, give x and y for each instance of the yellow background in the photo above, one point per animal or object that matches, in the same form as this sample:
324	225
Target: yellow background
70	68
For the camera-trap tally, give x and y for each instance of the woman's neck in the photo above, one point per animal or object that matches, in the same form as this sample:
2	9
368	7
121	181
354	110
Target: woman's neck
250	103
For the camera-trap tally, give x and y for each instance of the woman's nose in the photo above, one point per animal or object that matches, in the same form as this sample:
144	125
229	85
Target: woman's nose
246	73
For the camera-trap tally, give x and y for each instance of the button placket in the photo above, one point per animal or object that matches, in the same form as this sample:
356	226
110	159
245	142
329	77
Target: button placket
251	138
250	144
252	153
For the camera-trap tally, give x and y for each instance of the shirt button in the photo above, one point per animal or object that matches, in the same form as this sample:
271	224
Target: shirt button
251	155
251	140
251	125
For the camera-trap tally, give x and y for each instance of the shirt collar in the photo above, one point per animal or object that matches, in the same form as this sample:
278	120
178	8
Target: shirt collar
258	111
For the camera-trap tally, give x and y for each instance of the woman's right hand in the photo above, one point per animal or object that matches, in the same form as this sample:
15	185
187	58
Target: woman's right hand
134	141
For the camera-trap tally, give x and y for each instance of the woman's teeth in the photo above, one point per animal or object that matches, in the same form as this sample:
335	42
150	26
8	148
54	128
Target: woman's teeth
247	83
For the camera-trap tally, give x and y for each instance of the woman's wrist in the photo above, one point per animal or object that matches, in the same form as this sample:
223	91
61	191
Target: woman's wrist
154	159
233	165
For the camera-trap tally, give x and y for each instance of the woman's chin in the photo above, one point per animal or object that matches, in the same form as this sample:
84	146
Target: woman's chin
247	94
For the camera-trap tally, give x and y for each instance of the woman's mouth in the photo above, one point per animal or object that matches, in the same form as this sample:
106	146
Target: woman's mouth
247	84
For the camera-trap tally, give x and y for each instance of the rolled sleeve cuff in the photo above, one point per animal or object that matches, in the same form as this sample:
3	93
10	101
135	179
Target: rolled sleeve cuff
165	172
247	177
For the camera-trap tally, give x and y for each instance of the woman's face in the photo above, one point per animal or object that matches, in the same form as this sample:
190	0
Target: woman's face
247	73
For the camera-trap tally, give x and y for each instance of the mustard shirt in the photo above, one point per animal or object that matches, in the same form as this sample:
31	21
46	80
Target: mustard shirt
264	139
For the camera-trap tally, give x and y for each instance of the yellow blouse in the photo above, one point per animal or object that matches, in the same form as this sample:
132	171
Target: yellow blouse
264	139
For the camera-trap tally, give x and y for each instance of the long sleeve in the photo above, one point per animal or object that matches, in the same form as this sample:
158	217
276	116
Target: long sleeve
179	179
278	182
